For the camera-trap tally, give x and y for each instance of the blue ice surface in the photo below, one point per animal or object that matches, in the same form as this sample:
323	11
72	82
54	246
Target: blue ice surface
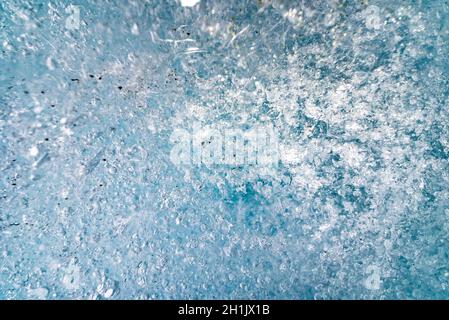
92	207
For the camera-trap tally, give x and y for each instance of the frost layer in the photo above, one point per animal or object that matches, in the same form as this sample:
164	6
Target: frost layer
92	207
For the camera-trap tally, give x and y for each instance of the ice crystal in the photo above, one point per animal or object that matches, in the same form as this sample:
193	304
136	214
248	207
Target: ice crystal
92	207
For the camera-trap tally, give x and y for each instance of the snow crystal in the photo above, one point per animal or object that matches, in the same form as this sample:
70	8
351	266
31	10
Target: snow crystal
93	207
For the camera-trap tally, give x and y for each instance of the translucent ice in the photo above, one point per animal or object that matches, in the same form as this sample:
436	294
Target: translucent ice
92	207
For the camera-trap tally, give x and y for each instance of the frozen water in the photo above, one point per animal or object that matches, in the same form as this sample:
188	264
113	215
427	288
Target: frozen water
92	207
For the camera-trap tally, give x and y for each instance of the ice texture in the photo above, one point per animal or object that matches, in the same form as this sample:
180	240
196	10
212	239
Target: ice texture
92	207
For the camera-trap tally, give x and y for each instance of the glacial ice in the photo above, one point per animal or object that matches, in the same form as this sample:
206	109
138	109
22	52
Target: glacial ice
92	207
